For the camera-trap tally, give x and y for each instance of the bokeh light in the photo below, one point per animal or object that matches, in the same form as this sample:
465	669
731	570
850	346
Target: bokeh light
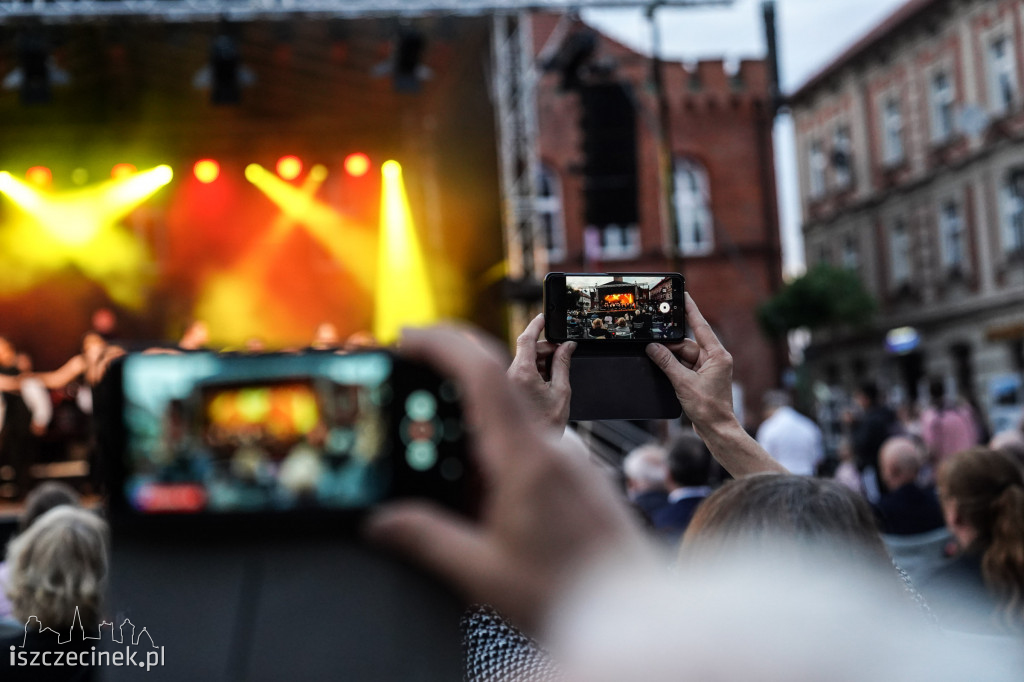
122	170
357	165
289	167
206	171
40	176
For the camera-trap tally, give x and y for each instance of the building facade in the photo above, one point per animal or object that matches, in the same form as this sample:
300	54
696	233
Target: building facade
726	239
911	168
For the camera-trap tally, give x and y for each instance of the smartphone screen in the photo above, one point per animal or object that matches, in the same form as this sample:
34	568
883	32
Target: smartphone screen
614	307
223	434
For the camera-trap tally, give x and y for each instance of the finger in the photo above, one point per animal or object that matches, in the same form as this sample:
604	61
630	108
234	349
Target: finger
492	408
546	349
686	350
702	331
526	344
438	540
560	366
667	362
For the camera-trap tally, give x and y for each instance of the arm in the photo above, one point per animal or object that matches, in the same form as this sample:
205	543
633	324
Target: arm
59	378
701	374
37	398
8	383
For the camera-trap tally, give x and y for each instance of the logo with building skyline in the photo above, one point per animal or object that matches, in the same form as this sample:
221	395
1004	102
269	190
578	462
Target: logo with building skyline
124	645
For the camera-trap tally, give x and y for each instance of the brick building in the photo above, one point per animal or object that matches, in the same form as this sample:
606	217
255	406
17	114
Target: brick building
727	245
911	163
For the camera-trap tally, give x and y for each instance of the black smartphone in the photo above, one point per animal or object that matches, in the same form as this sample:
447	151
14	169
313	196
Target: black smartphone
614	307
318	434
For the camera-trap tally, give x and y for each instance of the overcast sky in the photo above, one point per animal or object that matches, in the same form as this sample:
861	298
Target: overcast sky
810	33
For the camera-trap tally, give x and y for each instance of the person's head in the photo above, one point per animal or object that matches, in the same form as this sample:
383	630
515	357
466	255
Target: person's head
646	469
196	336
689	462
23	361
8	355
773	400
93	345
982	496
597	323
899	462
866	395
1010	441
58	564
44	498
326	336
769	510
621	322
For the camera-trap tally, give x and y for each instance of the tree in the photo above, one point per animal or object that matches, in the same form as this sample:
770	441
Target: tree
825	296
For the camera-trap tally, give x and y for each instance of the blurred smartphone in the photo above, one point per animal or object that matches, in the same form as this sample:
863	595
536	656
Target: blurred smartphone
614	308
315	435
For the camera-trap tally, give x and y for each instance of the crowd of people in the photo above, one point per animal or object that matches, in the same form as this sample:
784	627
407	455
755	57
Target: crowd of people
771	572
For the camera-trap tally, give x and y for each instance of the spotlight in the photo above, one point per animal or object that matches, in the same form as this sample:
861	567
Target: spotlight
225	84
40	176
122	170
408	70
289	167
318	173
206	171
34	62
357	165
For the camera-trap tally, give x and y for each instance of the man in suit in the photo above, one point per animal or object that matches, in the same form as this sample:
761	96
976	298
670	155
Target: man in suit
907	509
689	467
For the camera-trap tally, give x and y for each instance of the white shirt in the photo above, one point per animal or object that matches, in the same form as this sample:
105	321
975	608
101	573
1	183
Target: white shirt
793	440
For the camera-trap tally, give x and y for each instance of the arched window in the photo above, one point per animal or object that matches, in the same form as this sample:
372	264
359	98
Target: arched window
549	211
693	208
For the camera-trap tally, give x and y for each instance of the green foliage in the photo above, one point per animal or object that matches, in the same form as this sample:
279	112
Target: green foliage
824	296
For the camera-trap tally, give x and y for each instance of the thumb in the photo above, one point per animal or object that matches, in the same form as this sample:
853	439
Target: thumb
560	365
434	538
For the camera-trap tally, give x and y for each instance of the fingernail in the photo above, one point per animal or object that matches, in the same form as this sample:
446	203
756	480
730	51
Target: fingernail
571	345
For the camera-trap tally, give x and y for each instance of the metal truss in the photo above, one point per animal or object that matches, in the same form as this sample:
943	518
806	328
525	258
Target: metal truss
63	11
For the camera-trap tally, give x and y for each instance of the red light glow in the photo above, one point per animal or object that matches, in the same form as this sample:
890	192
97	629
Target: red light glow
40	176
619	299
122	169
357	165
289	167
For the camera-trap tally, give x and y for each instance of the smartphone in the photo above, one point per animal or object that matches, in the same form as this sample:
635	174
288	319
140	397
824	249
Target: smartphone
278	435
614	308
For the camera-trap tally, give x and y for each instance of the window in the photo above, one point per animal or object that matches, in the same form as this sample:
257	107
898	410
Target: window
851	254
612	242
899	249
892	131
549	213
841	157
1002	75
951	228
942	107
817	164
1013	211
693	212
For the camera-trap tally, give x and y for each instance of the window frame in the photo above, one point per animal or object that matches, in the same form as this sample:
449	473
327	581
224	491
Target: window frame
893	149
551	205
942	106
945	234
693	201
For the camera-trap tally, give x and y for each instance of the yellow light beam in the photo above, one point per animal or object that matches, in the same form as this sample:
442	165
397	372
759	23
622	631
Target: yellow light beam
404	295
347	241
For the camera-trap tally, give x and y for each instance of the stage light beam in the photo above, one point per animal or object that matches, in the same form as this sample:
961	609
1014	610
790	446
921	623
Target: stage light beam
404	291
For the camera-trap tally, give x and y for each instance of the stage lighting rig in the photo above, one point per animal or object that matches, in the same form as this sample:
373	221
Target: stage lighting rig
36	73
225	75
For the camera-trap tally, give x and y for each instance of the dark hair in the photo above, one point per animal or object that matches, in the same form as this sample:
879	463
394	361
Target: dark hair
937	391
44	498
800	509
689	462
988	489
870	391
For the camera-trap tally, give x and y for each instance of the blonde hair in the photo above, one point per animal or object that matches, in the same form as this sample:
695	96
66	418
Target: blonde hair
58	564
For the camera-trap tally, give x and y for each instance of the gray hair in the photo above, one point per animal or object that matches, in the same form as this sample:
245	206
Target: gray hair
647	466
775	399
57	565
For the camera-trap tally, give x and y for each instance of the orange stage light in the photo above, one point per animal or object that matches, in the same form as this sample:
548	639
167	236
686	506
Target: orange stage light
40	176
122	170
289	167
206	171
357	165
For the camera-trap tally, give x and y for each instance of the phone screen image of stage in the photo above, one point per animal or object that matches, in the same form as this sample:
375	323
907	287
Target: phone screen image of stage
207	433
630	308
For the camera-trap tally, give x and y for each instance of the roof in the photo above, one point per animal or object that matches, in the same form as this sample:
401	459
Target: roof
899	19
